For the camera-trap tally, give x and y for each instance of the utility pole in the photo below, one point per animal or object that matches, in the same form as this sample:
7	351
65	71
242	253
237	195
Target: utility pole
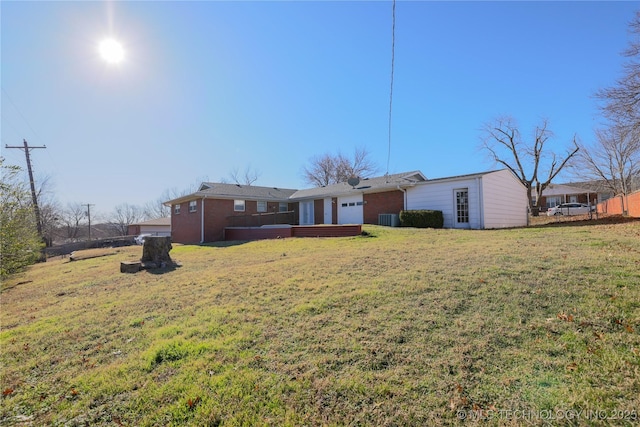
88	205
34	197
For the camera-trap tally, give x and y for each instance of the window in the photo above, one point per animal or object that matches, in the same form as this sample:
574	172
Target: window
176	209
193	206
553	201
283	207
238	205
262	206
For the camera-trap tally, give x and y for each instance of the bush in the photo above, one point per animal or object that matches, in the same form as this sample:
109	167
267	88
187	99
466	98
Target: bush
20	244
421	219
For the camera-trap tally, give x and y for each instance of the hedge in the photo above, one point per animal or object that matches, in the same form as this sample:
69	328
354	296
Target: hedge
421	219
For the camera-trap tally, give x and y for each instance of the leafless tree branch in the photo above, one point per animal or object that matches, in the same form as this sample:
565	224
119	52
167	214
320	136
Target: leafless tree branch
502	141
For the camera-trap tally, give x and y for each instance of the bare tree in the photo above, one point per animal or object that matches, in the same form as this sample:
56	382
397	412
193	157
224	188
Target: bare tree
49	219
614	160
622	101
72	218
248	177
330	169
321	170
124	215
528	162
49	209
156	209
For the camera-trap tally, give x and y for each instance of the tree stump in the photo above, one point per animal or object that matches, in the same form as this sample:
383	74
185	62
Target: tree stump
155	252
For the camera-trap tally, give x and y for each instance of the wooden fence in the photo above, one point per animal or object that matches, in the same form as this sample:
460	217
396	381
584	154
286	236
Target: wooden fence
622	205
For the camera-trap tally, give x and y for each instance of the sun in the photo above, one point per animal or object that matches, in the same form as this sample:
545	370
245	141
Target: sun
111	51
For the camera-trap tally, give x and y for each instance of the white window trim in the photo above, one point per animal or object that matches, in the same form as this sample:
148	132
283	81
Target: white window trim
193	206
236	204
266	206
176	209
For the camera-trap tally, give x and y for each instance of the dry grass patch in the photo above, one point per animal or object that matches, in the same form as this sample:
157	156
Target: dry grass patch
405	327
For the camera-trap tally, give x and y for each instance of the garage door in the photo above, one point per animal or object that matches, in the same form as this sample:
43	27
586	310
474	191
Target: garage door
350	210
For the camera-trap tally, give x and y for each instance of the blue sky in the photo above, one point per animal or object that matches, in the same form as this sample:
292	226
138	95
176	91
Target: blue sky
208	87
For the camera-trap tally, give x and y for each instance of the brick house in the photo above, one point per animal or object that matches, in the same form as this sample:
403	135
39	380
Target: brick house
587	193
491	199
355	203
203	216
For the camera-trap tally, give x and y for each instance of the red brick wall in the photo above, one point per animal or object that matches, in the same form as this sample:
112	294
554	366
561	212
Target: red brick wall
216	212
185	226
633	206
380	203
615	205
133	230
327	230
257	233
252	233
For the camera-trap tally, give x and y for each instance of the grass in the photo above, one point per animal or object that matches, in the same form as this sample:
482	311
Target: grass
400	327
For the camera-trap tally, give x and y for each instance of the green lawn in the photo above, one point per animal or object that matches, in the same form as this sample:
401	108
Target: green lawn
398	327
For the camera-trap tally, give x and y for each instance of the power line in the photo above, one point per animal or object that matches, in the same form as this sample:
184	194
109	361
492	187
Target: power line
21	115
393	48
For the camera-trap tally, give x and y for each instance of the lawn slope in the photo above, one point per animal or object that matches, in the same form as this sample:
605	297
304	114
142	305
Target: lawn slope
400	327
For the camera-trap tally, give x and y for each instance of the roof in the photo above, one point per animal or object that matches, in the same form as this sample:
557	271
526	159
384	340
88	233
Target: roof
467	176
218	190
366	185
156	221
562	189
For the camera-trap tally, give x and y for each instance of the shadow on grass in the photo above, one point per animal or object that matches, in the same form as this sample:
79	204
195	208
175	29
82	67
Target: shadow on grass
163	270
582	221
225	243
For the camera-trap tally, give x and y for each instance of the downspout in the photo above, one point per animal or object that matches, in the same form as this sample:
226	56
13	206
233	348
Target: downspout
202	222
404	201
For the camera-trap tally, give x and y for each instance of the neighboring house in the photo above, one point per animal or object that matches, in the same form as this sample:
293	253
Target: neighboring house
357	203
203	216
494	199
155	227
587	193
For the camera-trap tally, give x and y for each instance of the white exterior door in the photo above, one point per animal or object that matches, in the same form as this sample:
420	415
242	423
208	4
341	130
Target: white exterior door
328	218
306	212
350	210
461	207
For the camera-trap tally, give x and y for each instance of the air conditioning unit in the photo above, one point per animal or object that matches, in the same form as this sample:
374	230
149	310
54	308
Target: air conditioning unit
390	220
